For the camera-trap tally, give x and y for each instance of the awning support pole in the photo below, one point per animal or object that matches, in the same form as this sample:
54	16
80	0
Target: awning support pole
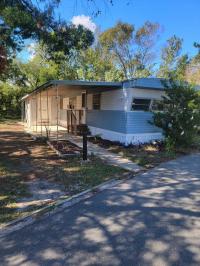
36	115
40	114
48	132
57	112
84	132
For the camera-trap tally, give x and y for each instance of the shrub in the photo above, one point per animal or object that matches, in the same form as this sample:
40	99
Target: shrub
180	118
10	96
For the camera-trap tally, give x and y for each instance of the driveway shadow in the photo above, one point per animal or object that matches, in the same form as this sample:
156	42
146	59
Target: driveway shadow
151	220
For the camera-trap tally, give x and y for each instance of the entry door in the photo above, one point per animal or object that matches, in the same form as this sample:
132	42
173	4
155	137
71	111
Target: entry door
72	103
55	109
44	108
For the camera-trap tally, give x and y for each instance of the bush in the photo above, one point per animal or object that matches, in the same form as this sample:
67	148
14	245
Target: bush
10	96
180	118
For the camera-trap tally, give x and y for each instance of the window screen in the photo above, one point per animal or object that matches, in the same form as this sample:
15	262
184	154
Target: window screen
96	101
141	104
83	100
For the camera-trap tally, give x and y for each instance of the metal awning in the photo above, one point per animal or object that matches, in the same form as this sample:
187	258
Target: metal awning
89	86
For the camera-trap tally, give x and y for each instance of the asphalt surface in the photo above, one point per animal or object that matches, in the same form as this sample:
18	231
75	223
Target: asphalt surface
153	219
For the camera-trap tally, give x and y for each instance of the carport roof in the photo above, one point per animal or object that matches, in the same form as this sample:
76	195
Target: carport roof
141	83
77	83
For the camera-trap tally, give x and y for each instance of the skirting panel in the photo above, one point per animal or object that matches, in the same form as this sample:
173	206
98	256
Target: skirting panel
108	134
125	138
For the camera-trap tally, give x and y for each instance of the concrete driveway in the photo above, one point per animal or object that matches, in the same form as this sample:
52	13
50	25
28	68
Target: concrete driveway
153	219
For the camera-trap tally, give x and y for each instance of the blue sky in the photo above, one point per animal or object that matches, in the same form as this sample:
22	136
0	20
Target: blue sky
179	17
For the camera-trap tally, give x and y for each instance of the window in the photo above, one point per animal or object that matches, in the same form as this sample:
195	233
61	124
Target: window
83	100
96	101
157	105
65	103
141	104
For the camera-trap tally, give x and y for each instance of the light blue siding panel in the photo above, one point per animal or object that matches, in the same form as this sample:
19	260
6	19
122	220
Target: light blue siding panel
138	122
122	122
107	119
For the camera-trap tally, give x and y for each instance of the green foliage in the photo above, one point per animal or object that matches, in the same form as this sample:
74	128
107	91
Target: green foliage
131	49
171	59
95	64
180	119
23	19
9	100
193	69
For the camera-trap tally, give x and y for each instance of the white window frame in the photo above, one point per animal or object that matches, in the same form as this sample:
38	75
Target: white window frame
141	98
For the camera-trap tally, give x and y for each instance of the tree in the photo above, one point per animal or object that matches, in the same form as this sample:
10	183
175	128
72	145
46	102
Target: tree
181	67
131	49
24	19
180	118
94	64
3	59
170	57
9	100
193	68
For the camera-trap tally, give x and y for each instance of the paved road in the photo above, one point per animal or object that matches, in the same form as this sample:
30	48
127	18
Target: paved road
151	220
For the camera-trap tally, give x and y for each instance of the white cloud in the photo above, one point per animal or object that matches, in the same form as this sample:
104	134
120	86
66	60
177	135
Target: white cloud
85	21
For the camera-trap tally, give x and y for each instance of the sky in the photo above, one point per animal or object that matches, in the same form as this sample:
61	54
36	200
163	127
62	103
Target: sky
179	17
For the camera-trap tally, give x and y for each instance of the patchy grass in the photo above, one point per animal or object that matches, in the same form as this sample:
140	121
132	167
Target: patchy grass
77	176
9	119
23	159
12	188
146	155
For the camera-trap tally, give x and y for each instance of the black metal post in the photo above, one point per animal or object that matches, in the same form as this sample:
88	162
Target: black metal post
84	133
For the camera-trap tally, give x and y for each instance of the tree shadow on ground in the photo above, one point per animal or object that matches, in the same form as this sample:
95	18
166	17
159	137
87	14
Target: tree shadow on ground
153	219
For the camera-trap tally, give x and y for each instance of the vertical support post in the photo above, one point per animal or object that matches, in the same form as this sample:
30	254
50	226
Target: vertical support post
40	114
75	122
22	111
48	132
71	122
36	115
84	133
67	120
86	107
29	120
57	112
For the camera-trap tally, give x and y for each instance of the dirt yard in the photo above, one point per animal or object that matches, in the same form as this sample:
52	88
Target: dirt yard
32	175
145	155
